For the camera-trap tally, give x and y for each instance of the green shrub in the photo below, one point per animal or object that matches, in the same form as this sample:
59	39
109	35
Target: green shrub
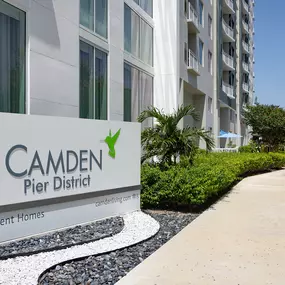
194	186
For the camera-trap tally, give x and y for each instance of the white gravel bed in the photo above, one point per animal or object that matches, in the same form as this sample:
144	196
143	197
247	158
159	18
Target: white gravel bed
26	270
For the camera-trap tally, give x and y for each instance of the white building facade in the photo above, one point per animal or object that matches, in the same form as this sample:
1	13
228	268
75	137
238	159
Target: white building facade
111	59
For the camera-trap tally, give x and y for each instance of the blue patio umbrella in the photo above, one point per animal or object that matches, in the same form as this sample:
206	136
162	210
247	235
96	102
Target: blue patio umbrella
229	135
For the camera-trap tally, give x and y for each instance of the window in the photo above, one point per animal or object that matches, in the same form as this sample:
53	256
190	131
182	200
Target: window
138	94
201	13
210	62
201	52
138	37
12	59
210	26
146	43
210	105
146	5
93	83
94	16
186	53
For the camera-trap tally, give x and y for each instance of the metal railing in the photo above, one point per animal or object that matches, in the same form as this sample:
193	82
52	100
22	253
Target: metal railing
245	66
228	89
245	86
245	26
193	61
225	149
192	15
245	5
230	3
245	46
229	60
228	30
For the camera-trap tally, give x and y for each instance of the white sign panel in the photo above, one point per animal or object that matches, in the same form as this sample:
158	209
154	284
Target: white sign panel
45	158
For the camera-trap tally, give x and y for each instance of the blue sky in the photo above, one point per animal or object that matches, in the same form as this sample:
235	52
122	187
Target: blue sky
269	51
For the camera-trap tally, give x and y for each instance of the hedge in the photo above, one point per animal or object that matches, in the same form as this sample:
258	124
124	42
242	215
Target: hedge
195	186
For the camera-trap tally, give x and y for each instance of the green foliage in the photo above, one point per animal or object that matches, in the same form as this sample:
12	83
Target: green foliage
166	141
182	185
252	147
267	122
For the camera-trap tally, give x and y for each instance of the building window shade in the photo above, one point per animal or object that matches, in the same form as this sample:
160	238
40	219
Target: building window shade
138	94
138	36
12	59
146	43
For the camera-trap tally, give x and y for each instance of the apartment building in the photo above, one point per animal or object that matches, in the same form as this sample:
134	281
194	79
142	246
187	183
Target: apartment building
111	59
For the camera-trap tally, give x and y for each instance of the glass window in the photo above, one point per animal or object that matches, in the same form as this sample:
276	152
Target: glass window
93	83
210	105
87	14
128	28
147	6
100	85
201	52
210	64
138	93
210	26
101	26
146	43
12	59
132	31
201	13
138	36
86	81
146	89
94	16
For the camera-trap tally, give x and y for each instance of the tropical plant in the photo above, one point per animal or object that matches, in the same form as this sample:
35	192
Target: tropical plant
166	141
268	125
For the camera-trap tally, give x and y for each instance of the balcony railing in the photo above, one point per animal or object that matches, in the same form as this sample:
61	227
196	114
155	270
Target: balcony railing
245	5
245	66
228	30
193	62
229	60
245	86
245	46
230	3
229	90
245	26
192	15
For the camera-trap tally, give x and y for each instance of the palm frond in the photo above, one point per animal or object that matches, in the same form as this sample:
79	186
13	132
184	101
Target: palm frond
184	111
152	112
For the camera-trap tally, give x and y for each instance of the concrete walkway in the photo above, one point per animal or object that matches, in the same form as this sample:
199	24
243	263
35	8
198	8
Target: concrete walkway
240	241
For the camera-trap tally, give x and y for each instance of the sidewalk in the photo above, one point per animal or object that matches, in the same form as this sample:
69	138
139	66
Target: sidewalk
240	241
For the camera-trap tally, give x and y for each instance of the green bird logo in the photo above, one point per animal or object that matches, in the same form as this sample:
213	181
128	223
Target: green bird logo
111	141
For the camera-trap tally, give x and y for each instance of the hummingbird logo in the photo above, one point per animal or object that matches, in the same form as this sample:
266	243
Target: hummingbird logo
111	141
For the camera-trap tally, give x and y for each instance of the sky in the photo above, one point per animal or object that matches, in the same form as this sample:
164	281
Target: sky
270	51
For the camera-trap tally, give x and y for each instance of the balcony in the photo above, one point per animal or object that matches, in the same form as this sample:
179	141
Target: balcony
245	27
245	6
192	19
245	66
228	61
228	33
193	65
245	87
229	90
228	7
245	46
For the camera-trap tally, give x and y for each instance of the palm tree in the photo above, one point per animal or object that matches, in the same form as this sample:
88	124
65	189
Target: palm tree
166	140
